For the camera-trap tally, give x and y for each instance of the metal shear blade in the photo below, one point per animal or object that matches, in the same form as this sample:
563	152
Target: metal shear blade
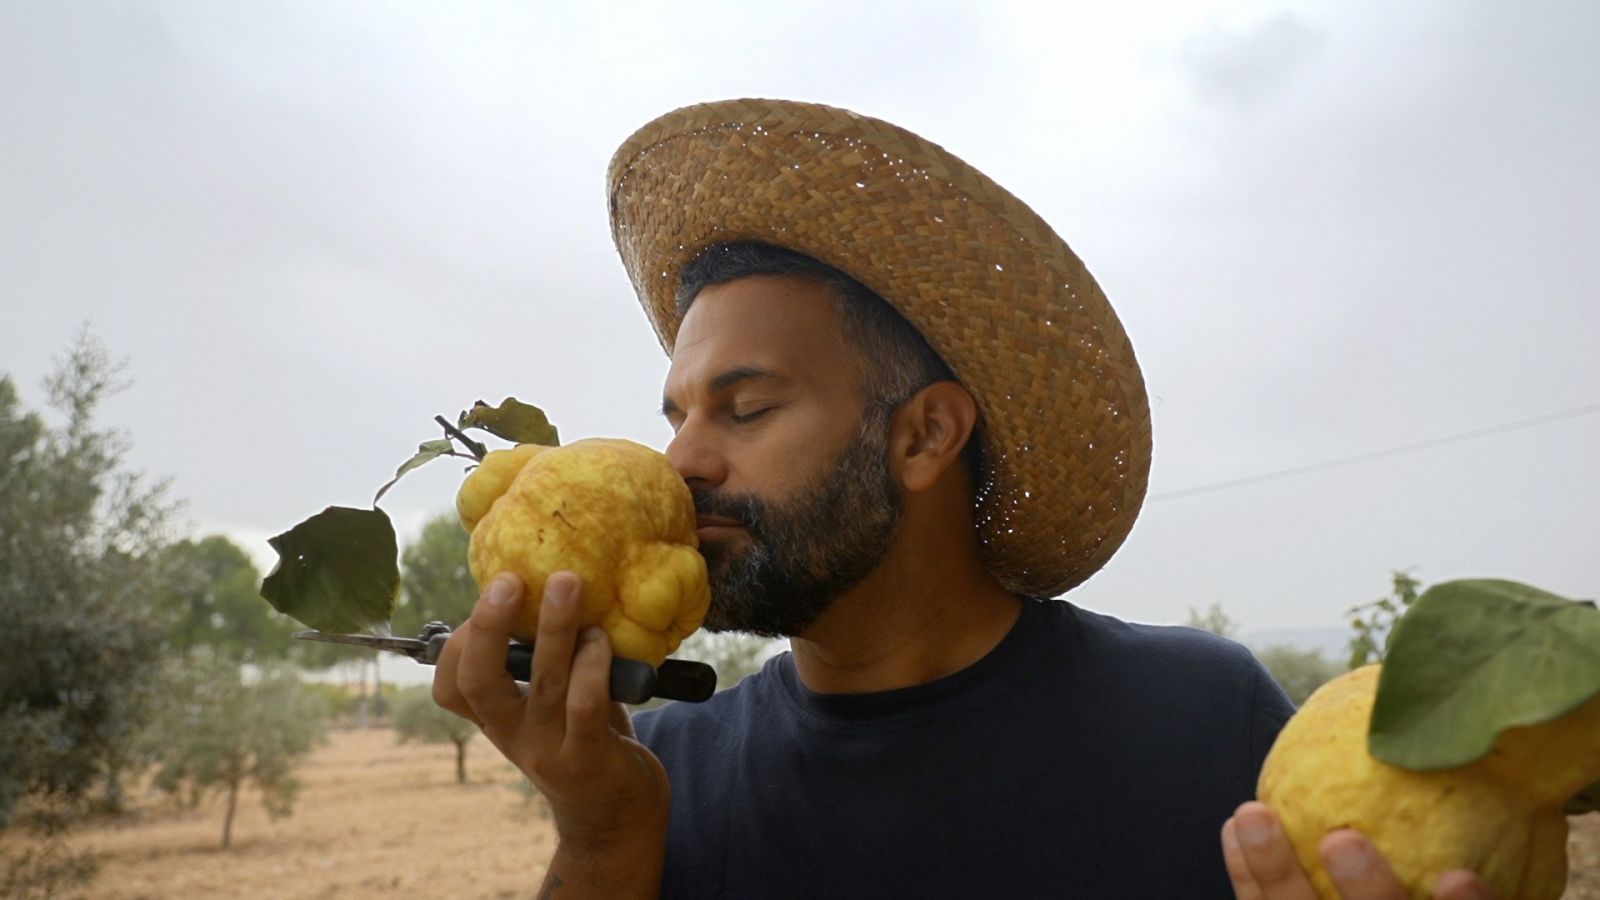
413	647
632	681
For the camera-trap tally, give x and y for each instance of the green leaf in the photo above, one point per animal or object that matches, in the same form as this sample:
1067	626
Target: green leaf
336	571
513	420
1587	801
1473	658
427	450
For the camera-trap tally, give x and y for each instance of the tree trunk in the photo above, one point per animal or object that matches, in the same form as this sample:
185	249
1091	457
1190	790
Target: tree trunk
114	795
379	708
461	762
227	820
361	705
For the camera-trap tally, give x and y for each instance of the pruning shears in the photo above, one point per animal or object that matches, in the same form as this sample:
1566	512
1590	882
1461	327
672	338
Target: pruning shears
632	680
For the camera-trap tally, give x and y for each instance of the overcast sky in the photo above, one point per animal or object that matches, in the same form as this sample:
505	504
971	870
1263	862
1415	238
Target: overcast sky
1330	229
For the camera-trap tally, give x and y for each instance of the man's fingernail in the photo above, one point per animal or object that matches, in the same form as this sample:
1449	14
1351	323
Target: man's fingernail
1254	829
1348	859
501	590
558	590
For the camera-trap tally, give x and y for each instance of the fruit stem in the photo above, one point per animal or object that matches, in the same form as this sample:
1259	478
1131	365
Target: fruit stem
479	451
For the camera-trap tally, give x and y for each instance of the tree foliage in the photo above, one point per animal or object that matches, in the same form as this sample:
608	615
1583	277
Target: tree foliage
1214	620
80	541
215	731
215	601
44	869
733	654
1373	621
418	718
1299	672
435	580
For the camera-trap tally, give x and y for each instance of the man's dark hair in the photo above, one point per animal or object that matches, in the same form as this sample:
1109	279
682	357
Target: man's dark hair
893	359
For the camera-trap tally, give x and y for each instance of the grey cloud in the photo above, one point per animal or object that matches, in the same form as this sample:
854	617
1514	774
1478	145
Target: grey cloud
312	226
1244	69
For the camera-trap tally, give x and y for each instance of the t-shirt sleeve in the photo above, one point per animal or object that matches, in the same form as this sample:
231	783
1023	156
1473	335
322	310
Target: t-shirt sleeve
1270	709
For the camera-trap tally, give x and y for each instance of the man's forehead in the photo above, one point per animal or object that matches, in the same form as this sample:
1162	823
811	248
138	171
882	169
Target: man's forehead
763	314
768	325
714	365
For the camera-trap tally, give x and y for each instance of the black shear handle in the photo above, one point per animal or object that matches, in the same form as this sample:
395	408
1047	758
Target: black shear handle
634	681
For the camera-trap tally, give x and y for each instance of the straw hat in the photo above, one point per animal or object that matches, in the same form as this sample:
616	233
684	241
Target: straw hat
994	290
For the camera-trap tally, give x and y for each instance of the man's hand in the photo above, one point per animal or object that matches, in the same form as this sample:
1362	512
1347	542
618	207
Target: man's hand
1262	864
608	794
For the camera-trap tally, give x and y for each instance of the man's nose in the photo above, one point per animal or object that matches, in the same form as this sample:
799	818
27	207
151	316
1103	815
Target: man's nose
696	458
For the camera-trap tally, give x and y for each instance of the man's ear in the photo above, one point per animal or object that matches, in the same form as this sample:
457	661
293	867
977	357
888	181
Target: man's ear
929	432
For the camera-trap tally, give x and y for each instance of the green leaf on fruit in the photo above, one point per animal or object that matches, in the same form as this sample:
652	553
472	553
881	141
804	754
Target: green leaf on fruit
337	571
513	420
426	451
1472	658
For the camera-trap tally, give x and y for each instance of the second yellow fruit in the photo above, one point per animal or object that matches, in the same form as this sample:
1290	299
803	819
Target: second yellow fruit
1500	816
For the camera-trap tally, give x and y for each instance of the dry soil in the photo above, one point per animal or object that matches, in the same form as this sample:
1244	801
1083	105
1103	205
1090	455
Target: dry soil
374	818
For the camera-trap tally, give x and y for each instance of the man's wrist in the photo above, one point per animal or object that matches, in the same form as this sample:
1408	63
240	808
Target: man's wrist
629	869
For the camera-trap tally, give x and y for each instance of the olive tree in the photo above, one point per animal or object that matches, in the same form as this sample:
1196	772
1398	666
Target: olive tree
81	538
215	731
1214	620
1298	671
418	718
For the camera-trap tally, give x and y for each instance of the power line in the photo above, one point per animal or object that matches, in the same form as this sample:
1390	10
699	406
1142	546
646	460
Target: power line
1573	413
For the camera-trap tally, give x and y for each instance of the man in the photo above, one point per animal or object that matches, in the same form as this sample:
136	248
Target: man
906	413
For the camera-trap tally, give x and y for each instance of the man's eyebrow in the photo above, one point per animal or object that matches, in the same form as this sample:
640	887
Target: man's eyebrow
743	373
728	379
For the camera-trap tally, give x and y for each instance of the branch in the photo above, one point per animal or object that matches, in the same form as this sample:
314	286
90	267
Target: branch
479	451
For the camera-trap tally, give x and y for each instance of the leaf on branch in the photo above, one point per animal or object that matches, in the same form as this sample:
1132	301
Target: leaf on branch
337	571
427	450
1473	658
513	420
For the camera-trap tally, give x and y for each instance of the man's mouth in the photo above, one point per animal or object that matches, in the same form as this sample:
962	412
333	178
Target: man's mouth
715	527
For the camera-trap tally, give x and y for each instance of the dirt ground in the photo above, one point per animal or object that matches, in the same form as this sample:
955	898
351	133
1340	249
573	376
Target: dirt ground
1583	858
374	819
380	819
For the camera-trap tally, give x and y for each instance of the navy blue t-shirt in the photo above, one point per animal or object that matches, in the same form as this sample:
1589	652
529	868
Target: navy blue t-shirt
1082	757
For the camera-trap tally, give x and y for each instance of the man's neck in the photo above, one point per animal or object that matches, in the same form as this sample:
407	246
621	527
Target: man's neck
916	618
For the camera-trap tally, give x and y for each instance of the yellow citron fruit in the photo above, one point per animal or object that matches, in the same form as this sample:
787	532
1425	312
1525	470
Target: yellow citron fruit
612	511
1499	816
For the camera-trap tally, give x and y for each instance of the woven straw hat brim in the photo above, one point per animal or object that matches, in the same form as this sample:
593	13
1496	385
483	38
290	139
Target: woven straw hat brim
995	291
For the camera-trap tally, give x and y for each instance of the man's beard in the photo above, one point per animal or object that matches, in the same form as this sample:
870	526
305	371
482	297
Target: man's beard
806	551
